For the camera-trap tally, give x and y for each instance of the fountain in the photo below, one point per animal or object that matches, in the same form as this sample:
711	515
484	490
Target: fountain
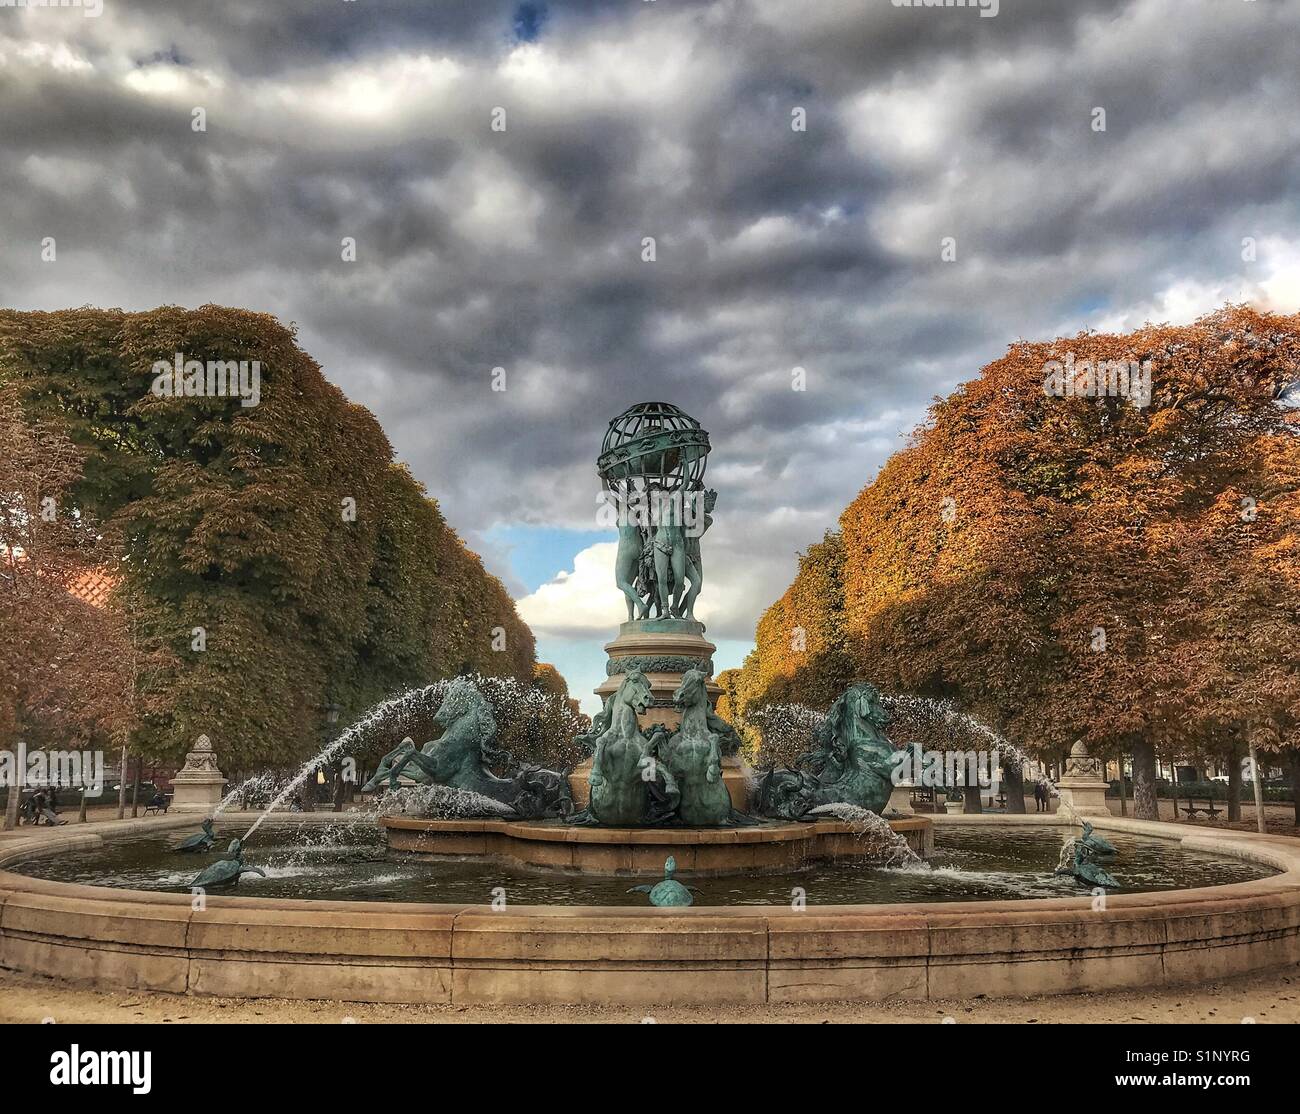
517	890
663	770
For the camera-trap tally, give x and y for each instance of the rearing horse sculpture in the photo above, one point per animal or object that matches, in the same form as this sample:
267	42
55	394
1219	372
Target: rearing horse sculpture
630	786
460	759
850	762
695	758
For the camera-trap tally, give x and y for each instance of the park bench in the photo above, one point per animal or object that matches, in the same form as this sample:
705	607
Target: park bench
158	803
1211	809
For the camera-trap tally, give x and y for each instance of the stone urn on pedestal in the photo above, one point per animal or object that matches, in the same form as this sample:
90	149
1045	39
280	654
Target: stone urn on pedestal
1082	788
198	786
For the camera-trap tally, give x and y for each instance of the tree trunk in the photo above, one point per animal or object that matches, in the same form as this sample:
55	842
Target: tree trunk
1258	771
121	788
81	808
1146	804
971	794
1294	756
15	791
135	789
340	788
1013	785
1123	794
1234	783
1173	788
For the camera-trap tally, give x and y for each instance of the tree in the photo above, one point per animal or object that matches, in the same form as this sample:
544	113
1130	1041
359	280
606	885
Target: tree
274	560
65	665
1080	567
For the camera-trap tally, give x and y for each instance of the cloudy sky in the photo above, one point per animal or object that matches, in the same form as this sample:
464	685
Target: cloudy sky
775	247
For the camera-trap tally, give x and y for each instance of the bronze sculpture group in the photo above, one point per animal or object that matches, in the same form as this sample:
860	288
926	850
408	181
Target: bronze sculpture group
463	757
851	762
651	777
659	566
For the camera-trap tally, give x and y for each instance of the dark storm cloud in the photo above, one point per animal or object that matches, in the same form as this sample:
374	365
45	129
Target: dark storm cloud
776	249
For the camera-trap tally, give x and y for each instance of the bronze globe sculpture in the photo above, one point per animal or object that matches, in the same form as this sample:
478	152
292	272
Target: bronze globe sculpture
653	443
652	462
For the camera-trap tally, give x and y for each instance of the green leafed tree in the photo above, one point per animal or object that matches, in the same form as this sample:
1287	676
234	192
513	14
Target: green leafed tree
275	551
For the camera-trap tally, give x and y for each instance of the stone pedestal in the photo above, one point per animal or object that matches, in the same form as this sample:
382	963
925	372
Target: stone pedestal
663	649
900	800
1082	789
198	786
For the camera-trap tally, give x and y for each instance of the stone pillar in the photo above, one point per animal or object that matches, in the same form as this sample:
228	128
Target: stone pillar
662	649
198	786
1082	789
900	799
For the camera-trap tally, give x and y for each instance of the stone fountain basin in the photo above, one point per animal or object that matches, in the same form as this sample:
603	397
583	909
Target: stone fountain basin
640	852
360	951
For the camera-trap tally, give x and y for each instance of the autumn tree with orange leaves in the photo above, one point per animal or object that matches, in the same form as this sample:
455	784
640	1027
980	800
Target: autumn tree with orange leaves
65	666
1075	562
275	560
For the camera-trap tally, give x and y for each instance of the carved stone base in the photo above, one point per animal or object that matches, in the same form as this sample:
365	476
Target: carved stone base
1082	789
196	796
662	649
198	785
900	800
1082	797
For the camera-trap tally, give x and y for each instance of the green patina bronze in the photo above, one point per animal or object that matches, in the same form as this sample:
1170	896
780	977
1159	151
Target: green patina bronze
460	758
201	842
669	893
652	462
226	871
694	757
1080	858
850	762
646	663
630	786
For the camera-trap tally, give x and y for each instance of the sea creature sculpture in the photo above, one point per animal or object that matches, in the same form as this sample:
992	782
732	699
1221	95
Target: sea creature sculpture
630	785
1080	855
226	870
850	762
669	893
694	758
201	842
461	756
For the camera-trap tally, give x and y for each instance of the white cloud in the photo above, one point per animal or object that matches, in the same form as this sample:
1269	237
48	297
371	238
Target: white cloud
581	602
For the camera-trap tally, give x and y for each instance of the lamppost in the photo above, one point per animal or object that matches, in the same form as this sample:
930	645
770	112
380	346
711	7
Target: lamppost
331	720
